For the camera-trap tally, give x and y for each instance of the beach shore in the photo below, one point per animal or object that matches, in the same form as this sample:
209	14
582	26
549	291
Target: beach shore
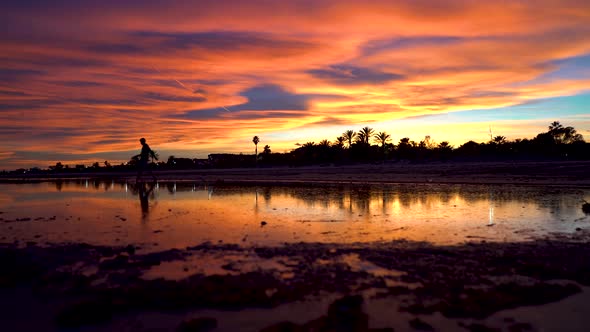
566	173
534	285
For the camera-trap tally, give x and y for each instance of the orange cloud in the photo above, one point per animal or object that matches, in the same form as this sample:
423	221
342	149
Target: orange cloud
89	78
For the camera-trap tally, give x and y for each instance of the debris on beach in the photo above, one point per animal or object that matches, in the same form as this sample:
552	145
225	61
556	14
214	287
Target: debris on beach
420	325
202	324
344	314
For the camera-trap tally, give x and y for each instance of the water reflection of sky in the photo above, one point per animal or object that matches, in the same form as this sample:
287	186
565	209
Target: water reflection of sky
182	214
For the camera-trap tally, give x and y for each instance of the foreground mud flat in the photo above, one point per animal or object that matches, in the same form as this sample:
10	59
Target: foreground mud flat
383	286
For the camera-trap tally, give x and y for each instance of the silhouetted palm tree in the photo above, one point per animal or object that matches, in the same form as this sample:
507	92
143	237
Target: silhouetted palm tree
308	145
500	139
323	150
365	135
444	150
360	138
255	140
340	140
382	137
349	136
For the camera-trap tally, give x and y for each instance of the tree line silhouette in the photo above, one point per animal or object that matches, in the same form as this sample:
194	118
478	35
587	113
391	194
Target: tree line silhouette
557	143
367	146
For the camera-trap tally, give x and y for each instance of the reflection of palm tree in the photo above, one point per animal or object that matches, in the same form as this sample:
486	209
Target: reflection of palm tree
349	136
491	210
266	193
386	201
363	200
256	201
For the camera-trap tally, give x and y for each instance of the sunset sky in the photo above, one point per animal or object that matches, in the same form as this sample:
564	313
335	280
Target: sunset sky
82	81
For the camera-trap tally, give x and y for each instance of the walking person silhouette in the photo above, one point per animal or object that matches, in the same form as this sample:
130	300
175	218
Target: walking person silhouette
144	160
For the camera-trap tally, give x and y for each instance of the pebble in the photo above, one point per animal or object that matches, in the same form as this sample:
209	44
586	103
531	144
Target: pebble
130	249
420	325
202	324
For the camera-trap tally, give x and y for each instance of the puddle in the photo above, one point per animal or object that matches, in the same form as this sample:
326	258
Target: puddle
177	215
221	263
358	265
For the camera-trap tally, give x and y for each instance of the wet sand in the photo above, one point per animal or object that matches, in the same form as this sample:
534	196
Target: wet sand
530	173
564	173
301	287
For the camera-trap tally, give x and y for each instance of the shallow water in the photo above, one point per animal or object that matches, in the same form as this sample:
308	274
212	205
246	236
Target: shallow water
177	215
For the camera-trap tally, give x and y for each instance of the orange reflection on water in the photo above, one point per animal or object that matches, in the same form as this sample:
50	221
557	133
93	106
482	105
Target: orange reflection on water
176	215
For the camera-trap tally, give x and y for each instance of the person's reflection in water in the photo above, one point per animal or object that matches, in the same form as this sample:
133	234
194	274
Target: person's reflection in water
144	191
59	185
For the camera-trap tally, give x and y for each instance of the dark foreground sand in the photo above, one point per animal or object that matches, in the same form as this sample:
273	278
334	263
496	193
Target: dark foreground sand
359	287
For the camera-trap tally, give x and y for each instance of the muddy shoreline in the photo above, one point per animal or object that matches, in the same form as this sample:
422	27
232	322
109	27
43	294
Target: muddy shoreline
567	173
465	284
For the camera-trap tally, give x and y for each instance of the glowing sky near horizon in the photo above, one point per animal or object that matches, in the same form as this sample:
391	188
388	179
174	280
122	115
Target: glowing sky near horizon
81	81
